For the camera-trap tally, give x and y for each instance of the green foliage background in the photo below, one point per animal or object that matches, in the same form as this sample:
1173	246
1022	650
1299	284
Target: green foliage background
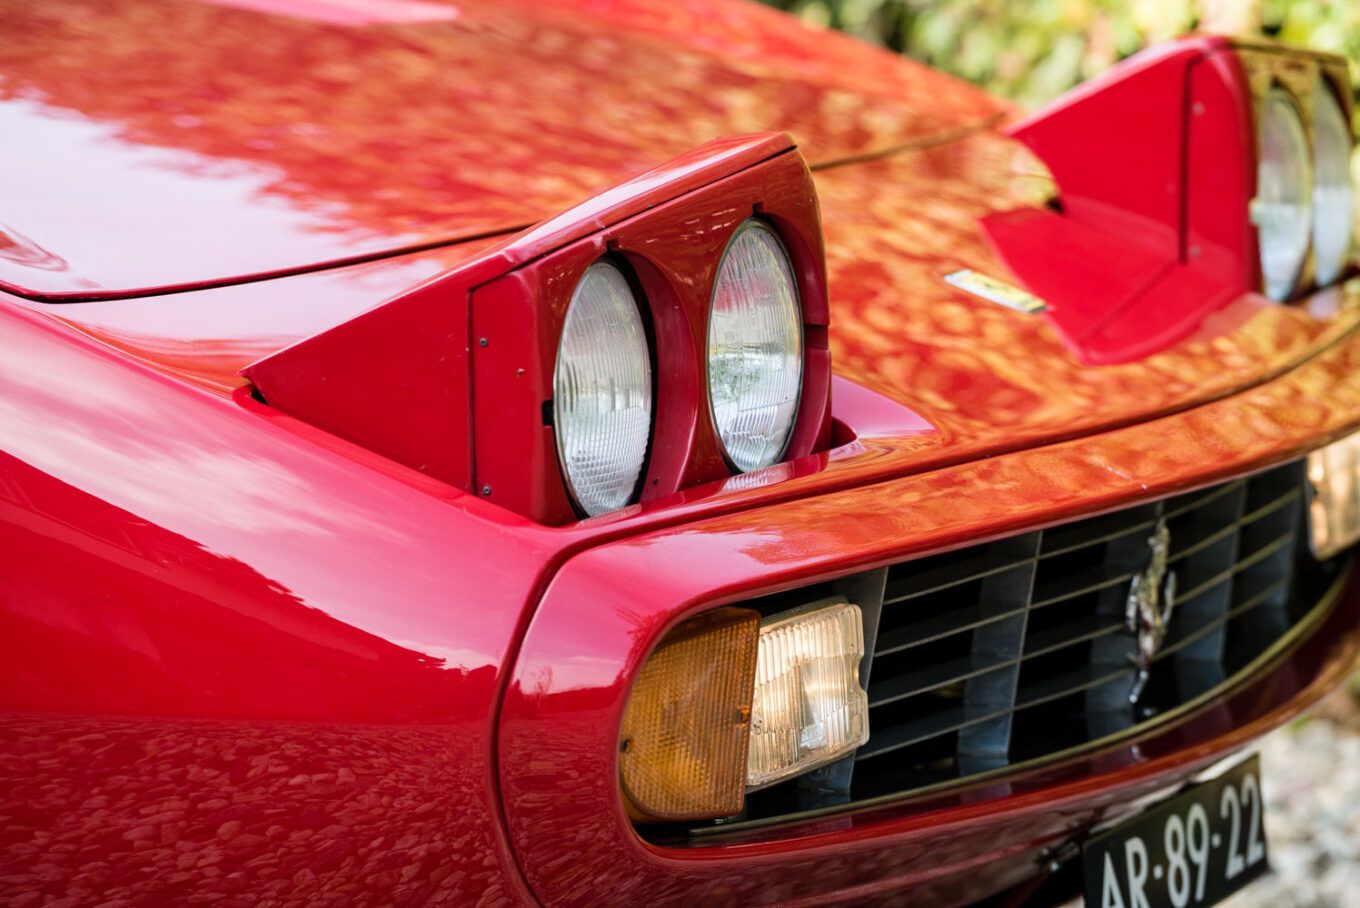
1032	50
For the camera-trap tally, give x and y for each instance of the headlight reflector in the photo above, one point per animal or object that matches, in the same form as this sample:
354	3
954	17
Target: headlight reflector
1333	197
755	348
1283	209
602	392
809	708
1334	508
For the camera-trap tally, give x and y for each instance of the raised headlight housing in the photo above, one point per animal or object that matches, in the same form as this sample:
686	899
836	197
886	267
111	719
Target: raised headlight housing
590	357
562	373
602	392
755	348
1230	181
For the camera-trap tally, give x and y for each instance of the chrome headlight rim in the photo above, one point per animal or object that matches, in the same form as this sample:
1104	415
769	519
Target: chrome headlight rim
1329	123
643	348
1284	285
788	267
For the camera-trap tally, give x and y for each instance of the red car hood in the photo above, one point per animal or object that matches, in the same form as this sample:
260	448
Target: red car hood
190	143
153	144
982	377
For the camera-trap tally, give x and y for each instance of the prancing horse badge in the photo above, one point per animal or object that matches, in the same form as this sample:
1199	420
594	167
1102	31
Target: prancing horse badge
1152	599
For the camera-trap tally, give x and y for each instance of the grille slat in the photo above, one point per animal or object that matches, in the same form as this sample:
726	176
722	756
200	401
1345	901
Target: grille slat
1198	537
1188	631
945	689
1098	530
945	721
1273	506
1183	504
987	564
1080	630
936	676
1020	648
1073	682
1266	550
929	630
1090	581
1205	584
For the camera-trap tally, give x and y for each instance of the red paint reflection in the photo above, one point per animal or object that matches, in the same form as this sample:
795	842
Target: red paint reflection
201	142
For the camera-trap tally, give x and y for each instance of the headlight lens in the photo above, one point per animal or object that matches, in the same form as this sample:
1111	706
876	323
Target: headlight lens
1333	197
602	392
1283	210
755	348
1334	506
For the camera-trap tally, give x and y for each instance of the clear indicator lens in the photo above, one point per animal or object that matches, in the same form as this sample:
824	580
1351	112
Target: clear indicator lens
809	708
1283	210
1334	508
755	348
1333	197
602	392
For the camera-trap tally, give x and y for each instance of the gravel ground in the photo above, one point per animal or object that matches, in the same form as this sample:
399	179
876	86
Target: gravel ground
1311	775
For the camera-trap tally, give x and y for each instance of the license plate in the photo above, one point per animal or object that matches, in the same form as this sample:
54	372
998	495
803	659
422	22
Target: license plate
1194	849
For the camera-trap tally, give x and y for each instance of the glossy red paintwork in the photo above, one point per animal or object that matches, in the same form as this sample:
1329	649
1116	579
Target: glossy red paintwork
175	143
559	738
262	572
893	228
460	370
1220	181
1130	121
196	601
243	658
946	849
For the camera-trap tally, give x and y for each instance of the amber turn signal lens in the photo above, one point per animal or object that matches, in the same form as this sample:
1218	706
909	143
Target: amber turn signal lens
682	747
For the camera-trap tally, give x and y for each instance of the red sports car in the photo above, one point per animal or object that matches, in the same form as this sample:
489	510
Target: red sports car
579	453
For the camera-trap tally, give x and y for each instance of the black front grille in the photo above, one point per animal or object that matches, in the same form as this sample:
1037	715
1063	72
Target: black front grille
1017	649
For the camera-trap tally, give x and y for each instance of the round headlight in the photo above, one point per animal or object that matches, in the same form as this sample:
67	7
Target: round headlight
1333	196
602	392
755	348
1283	210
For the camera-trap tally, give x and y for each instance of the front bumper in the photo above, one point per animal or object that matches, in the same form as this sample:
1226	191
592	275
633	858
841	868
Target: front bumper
557	742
